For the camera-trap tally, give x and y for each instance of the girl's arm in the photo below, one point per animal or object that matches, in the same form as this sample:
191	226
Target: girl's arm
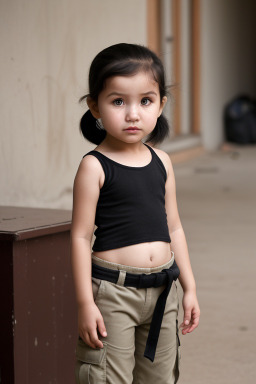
180	249
85	197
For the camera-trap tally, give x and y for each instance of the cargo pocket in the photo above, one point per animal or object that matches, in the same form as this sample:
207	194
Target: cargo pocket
91	364
177	363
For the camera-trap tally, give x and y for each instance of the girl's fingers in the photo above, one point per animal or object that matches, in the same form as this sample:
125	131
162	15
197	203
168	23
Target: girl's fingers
101	327
91	339
96	343
187	317
87	340
188	327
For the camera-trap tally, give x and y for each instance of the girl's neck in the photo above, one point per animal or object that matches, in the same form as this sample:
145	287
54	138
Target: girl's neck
110	144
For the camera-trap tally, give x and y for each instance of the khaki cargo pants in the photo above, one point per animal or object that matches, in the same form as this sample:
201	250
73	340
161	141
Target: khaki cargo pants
127	313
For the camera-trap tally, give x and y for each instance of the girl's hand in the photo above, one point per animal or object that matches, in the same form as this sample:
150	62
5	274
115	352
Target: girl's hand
90	325
191	312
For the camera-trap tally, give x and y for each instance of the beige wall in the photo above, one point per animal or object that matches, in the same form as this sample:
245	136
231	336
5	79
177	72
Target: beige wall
46	49
228	64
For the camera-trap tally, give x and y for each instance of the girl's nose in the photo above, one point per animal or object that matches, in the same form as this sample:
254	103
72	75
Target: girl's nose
132	113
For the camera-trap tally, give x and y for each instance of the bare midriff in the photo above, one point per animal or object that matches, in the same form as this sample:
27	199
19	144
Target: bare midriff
143	255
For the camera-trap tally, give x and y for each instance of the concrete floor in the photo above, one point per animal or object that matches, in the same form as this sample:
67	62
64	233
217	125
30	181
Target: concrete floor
217	204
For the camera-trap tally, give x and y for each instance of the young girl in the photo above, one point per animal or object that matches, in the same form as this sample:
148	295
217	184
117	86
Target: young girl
127	298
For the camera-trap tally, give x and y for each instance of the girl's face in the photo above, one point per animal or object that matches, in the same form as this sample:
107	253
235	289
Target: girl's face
128	106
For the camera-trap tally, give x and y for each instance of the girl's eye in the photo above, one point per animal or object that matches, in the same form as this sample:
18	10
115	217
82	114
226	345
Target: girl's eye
145	101
118	102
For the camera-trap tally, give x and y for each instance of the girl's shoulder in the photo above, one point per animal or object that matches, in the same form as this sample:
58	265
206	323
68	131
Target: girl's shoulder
89	169
164	157
90	162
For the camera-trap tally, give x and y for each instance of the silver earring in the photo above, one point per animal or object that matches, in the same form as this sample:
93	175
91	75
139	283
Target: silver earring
99	125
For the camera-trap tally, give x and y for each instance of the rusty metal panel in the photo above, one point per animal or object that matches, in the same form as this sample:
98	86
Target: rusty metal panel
43	331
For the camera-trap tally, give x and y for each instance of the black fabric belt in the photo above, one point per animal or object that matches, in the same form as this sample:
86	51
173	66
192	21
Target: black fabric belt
165	277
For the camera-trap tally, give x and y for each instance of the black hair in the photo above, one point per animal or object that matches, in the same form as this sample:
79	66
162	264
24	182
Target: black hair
123	60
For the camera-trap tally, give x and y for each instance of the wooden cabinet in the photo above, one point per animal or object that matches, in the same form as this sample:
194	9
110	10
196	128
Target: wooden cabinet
38	311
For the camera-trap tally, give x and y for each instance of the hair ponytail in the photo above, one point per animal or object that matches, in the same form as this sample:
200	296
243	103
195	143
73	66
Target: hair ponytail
89	129
160	132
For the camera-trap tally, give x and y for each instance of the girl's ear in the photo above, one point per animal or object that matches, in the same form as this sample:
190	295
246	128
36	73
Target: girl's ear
93	106
163	102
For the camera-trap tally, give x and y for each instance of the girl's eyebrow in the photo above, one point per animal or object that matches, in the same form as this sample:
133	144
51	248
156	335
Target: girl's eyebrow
123	94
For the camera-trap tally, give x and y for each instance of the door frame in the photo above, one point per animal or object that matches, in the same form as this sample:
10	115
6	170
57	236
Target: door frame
154	43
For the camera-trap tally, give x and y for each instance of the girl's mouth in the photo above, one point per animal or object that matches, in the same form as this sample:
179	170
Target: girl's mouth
132	129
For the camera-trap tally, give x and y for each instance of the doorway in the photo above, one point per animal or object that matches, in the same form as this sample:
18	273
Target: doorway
174	34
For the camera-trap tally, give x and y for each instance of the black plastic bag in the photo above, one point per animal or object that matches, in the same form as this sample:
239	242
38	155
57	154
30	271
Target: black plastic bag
240	120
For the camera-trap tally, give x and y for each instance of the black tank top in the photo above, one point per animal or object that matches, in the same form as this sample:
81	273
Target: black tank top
131	205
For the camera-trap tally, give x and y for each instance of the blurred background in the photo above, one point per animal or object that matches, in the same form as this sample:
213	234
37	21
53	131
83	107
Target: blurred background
208	50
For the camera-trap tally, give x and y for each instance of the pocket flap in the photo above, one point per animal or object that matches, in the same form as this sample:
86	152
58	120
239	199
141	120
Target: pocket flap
89	355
